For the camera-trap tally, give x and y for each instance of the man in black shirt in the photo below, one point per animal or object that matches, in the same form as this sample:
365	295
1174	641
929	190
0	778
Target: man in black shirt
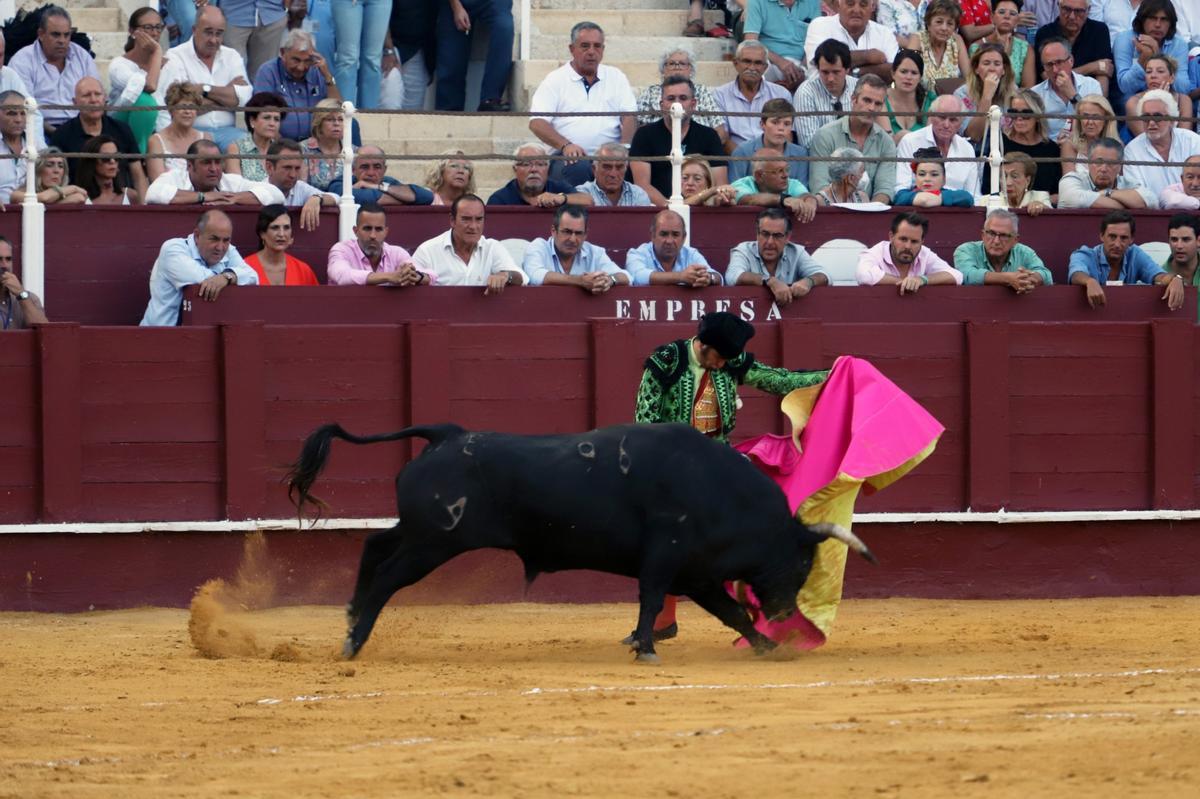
71	135
655	139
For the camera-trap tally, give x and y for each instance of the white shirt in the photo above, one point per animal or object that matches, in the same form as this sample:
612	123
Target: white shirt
875	37
126	80
959	174
183	65
171	182
563	90
438	257
12	172
302	192
1184	144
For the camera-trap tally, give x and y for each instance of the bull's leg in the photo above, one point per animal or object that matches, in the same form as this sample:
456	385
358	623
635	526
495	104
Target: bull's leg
717	601
650	597
376	549
413	559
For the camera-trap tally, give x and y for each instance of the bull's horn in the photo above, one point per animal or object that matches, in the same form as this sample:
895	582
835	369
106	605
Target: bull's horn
831	530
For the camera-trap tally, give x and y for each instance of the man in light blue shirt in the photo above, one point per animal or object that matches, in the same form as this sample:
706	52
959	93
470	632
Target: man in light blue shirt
1063	87
610	188
53	65
205	258
666	261
255	29
566	258
1117	258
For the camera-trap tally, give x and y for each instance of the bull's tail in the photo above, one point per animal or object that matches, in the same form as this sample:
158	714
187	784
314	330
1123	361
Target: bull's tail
304	472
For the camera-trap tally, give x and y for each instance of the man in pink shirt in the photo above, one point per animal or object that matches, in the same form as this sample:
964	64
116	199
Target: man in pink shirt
368	259
904	260
1186	193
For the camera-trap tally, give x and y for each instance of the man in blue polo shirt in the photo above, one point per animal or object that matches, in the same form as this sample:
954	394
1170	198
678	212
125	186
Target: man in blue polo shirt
566	258
1117	258
301	76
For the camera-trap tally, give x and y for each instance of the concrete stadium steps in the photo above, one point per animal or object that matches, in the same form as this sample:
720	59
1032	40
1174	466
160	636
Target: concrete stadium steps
617	21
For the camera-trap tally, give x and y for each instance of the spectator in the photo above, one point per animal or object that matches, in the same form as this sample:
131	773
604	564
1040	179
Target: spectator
872	46
1118	260
1020	171
1102	185
410	47
205	181
1163	142
531	184
1027	134
860	133
1160	74
368	260
1186	193
942	132
610	186
976	20
774	261
205	258
181	14
1155	29
1087	39
1094	119
944	52
51	67
901	17
359	27
301	76
174	140
666	261
451	177
989	82
284	168
771	187
697	187
1063	87
133	77
255	29
830	90
372	185
101	177
1006	17
904	260
51	181
783	30
12	142
10	81
778	120
908	100
219	71
463	256
18	308
845	174
91	121
1182	232
264	129
747	93
565	258
324	147
681	62
999	259
456	23
1117	15
272	264
929	184
583	84
655	139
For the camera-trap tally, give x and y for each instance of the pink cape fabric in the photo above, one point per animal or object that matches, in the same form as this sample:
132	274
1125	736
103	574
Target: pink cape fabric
862	426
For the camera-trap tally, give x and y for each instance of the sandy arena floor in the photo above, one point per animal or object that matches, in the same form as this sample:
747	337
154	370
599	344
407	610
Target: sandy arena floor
911	698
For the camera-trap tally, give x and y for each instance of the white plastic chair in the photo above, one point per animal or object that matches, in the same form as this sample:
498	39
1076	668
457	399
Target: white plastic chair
1160	251
839	257
516	248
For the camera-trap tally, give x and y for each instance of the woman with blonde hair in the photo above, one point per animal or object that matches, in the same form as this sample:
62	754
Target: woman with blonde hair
323	150
1027	134
1094	119
451	177
696	184
174	140
990	81
51	181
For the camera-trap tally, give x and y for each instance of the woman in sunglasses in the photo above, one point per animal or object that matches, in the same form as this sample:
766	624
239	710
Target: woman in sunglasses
1027	134
101	177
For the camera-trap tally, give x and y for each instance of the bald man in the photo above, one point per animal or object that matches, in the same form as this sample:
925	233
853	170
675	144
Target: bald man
666	261
74	133
942	133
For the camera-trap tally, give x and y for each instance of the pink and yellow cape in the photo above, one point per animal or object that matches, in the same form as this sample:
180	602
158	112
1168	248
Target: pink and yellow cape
856	431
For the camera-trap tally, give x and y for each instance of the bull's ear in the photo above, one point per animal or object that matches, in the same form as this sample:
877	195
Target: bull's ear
831	530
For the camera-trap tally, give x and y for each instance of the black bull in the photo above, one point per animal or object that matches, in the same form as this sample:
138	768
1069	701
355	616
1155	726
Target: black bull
661	503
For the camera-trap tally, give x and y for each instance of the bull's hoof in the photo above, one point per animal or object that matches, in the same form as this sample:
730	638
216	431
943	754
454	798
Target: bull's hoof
764	646
649	658
665	634
349	650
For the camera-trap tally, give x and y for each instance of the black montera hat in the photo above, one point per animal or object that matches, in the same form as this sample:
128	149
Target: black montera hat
725	332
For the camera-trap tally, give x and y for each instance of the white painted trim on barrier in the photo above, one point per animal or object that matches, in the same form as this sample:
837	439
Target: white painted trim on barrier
273	525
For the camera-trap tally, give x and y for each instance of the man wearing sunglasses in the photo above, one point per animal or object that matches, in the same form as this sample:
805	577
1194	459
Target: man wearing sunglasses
1063	86
1162	143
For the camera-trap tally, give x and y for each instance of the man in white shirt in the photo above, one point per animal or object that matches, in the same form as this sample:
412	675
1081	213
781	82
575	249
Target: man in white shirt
942	133
872	46
463	256
1102	185
205	183
1162	142
284	167
583	84
1063	87
218	70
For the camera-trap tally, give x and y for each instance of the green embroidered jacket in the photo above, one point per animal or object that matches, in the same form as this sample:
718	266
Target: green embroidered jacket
668	388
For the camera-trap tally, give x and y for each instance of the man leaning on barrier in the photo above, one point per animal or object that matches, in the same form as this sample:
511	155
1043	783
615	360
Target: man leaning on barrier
531	184
1186	193
1164	142
999	259
904	260
368	260
1183	236
205	182
1103	185
567	258
774	261
1117	260
284	168
666	261
372	184
463	256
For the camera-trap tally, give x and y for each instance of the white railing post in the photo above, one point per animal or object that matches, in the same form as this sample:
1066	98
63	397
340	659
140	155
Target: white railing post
675	202
347	208
33	213
526	26
995	160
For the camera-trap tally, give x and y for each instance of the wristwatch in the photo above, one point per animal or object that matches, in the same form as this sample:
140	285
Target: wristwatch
200	197
230	276
24	295
1108	192
1075	99
207	88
